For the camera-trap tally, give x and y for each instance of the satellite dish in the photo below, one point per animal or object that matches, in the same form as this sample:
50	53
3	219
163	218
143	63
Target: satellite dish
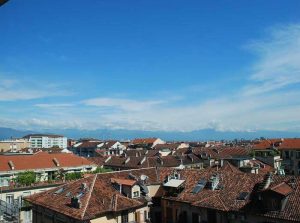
143	177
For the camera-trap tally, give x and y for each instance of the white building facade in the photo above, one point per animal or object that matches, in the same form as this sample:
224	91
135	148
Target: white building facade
47	141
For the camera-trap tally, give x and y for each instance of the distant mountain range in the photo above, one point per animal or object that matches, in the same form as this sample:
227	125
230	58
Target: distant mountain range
123	134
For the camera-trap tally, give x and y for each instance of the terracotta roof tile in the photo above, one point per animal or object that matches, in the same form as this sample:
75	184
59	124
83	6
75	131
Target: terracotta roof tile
42	160
144	141
100	197
290	144
126	182
282	188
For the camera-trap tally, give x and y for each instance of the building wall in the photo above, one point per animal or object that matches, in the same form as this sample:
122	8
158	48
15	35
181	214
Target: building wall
48	142
158	141
183	145
291	161
202	215
42	174
153	189
133	216
17	195
42	215
13	145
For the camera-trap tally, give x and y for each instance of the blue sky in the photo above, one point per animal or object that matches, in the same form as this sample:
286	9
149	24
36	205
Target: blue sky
150	65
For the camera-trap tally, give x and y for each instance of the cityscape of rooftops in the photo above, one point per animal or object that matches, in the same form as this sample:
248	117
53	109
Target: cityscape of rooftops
149	111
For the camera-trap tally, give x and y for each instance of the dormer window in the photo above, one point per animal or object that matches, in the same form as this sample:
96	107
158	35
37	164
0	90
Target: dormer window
136	194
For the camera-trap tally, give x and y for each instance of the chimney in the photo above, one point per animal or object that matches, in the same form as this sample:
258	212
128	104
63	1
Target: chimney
160	161
83	186
267	181
127	160
75	202
157	173
214	181
108	159
56	161
143	160
11	165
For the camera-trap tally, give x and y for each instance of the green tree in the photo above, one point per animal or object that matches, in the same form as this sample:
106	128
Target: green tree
73	176
26	178
102	170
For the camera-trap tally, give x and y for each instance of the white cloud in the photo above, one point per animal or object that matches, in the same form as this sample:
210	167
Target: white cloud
13	89
278	65
62	105
267	101
123	104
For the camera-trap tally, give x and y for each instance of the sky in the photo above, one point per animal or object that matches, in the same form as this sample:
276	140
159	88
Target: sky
169	65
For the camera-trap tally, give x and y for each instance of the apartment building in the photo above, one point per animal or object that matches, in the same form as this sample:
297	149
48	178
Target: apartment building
225	196
12	206
116	197
290	153
46	171
47	141
146	143
13	145
45	165
137	162
172	196
86	147
283	154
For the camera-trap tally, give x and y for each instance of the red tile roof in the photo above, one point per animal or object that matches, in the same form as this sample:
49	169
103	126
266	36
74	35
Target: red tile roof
100	197
87	144
221	152
42	160
126	182
266	144
144	162
144	141
290	144
282	188
99	160
171	146
137	153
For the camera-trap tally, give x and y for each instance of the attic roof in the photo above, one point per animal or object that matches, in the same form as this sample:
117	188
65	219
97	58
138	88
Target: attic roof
42	160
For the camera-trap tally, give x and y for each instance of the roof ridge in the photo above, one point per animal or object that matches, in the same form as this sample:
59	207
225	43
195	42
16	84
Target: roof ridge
208	197
116	202
279	184
222	202
233	168
89	195
205	199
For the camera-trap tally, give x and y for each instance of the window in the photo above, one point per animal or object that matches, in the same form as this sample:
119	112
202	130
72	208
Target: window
137	216
4	182
27	217
136	194
195	218
287	154
24	194
298	155
169	215
9	198
124	217
292	153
